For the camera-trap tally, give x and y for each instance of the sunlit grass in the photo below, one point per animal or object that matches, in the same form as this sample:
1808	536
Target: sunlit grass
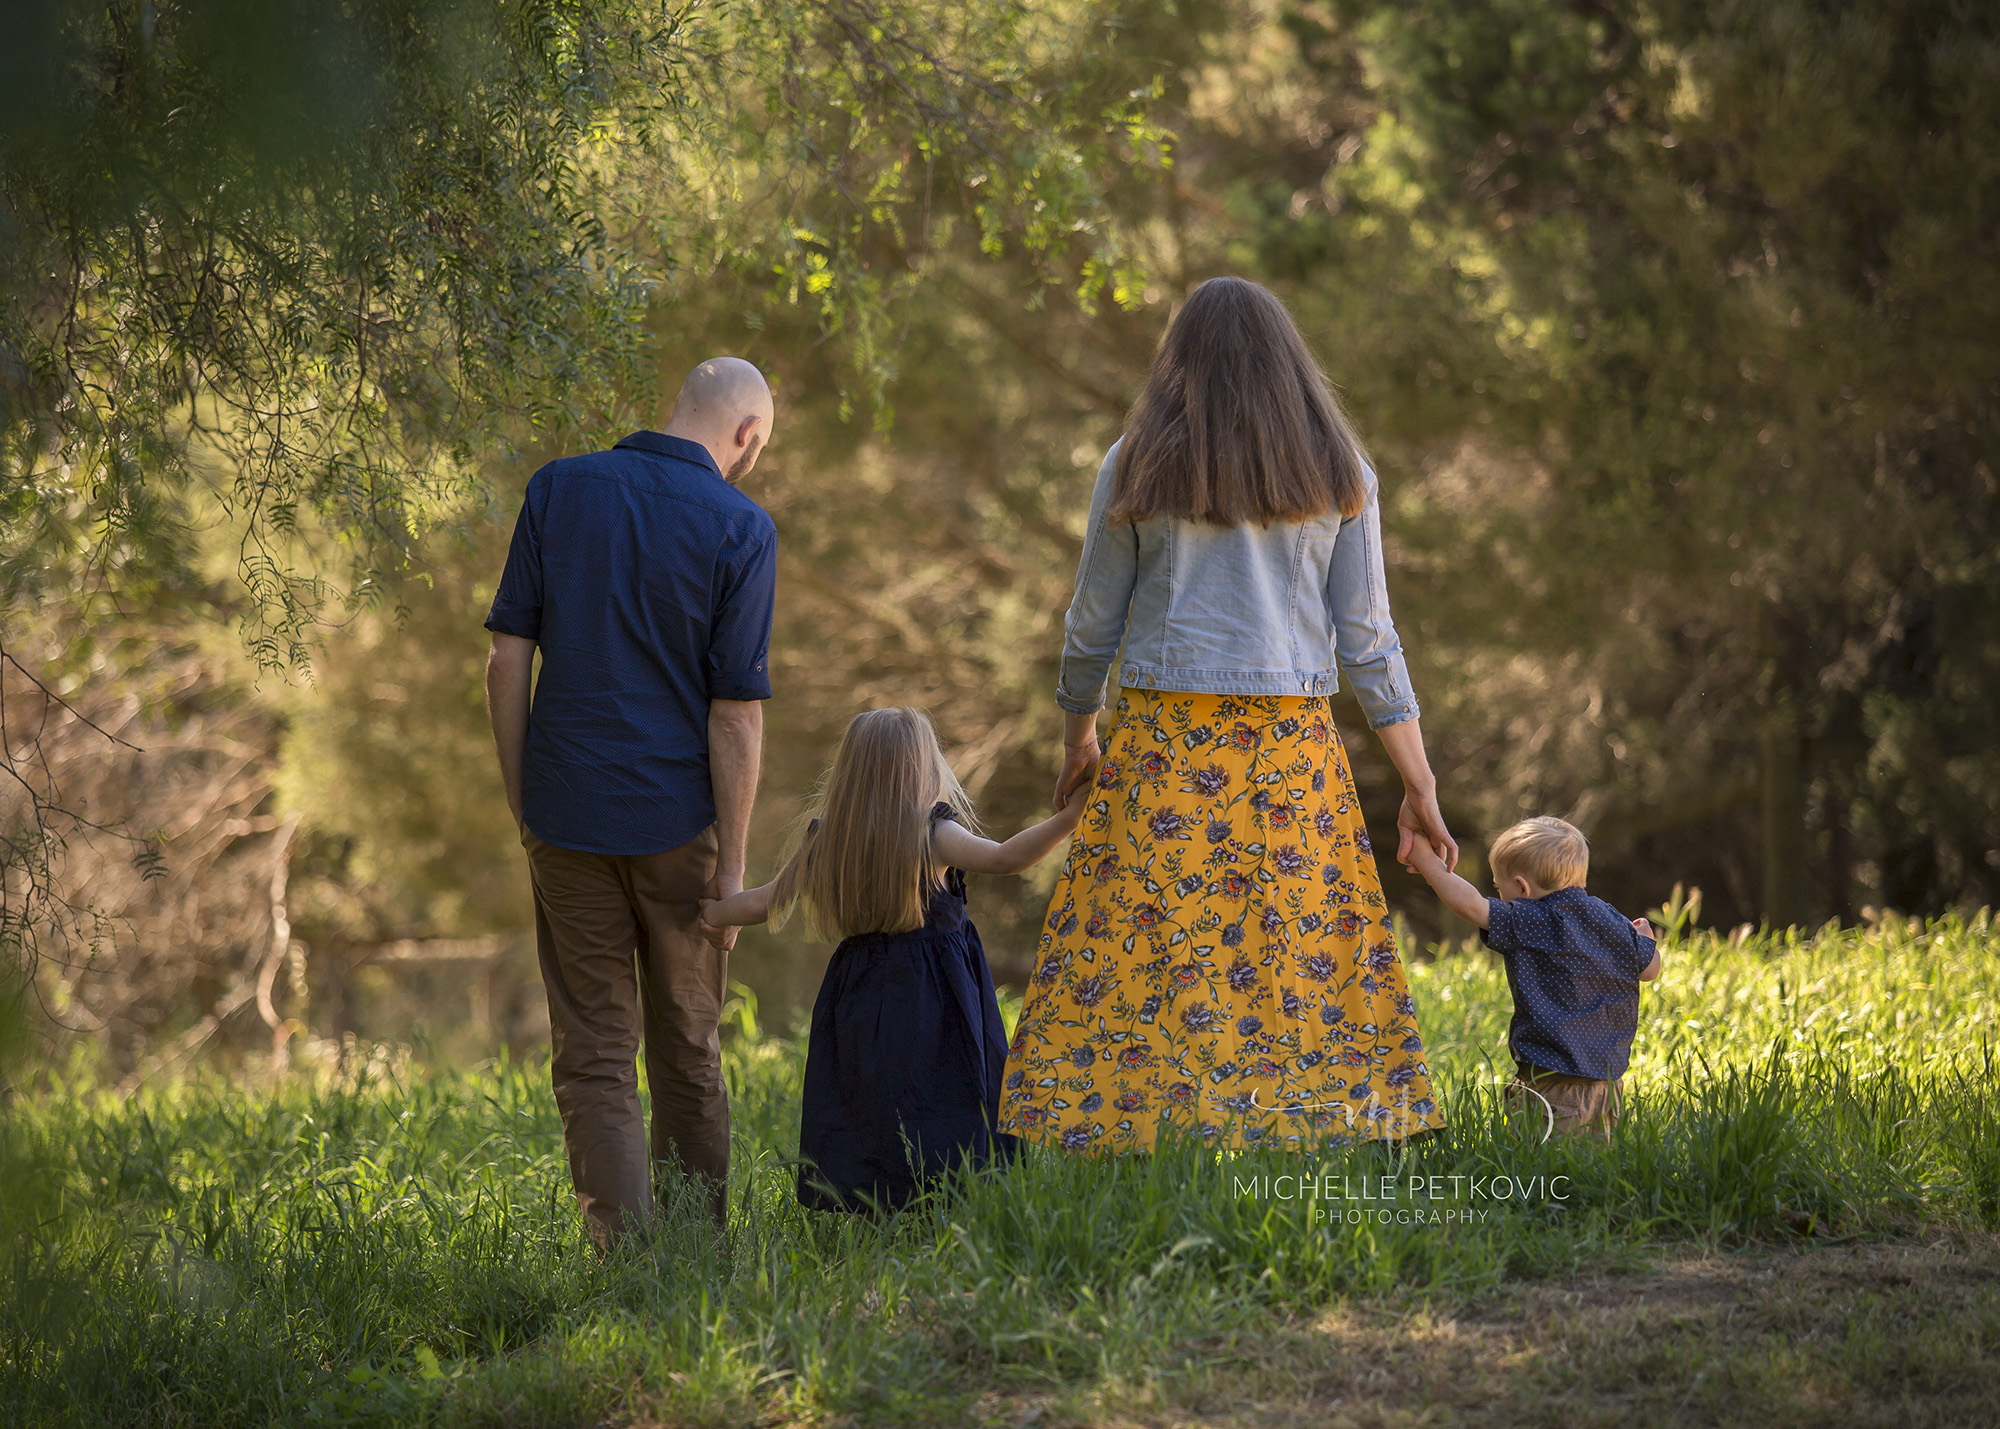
401	1247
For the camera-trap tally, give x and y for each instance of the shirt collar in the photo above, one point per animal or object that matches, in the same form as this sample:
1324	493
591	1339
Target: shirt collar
660	444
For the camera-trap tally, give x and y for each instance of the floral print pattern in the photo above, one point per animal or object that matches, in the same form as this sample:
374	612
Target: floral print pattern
1217	956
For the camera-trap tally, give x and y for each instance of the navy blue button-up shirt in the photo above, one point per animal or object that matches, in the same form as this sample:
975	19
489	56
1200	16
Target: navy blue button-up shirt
1573	964
648	582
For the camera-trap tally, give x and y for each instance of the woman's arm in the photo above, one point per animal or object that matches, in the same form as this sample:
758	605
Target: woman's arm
1094	626
1365	641
1080	756
1371	660
1419	820
957	847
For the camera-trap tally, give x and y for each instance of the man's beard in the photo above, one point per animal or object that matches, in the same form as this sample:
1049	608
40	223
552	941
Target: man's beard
740	468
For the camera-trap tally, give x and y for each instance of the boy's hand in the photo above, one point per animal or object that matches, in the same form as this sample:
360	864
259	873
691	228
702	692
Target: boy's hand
1424	859
1645	929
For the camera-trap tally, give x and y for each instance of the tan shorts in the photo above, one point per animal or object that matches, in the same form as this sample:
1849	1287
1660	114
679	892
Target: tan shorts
1573	1105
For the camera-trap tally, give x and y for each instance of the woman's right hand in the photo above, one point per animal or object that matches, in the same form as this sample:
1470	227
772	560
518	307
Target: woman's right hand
1079	766
1080	755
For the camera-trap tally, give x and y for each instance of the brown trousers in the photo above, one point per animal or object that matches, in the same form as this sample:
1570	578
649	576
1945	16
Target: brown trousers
1572	1104
621	959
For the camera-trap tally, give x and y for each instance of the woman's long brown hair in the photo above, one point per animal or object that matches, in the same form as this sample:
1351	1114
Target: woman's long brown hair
1237	423
863	863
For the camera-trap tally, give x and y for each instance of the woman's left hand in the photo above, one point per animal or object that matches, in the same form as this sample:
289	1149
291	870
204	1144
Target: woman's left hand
1420	818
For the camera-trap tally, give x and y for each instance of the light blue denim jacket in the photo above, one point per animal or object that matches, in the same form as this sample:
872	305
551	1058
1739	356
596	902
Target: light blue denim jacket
1243	611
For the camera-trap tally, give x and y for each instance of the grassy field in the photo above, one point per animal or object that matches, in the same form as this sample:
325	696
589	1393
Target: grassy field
1795	1225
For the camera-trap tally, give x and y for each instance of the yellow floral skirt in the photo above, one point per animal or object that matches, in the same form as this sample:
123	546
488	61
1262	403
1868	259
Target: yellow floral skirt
1217	957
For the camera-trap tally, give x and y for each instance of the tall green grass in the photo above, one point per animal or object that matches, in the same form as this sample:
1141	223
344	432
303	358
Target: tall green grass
401	1247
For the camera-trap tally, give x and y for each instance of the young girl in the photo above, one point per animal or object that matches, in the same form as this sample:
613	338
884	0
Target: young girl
903	1069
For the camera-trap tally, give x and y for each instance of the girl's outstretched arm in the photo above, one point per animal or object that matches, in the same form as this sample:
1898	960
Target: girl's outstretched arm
957	848
752	905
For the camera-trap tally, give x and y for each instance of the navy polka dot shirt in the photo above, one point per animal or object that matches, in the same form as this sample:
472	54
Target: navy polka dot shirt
1573	964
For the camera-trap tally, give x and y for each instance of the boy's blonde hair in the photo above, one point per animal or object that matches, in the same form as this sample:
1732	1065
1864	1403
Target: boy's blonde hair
1549	852
862	861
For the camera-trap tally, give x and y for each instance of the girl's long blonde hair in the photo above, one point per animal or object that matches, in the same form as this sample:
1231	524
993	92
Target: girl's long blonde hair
862	862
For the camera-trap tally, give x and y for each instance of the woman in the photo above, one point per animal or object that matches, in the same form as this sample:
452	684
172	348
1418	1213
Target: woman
1217	957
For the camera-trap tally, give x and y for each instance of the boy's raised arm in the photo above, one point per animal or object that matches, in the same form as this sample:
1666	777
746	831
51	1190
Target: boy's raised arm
1452	891
1645	930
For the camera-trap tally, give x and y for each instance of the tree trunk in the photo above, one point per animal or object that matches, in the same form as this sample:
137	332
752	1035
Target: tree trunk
1784	813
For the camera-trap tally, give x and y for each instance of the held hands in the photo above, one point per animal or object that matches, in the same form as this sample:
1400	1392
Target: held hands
1421	824
1079	768
1424	859
722	937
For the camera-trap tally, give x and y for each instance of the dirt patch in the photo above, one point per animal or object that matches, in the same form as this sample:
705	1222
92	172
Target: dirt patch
1897	1336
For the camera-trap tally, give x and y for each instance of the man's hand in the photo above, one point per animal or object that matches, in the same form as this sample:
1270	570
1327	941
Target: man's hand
719	887
723	937
735	750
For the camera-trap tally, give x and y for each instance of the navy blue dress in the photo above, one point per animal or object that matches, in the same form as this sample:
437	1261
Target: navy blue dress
903	1069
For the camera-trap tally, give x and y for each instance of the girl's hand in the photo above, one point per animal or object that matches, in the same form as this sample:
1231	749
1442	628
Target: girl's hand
1420	818
720	936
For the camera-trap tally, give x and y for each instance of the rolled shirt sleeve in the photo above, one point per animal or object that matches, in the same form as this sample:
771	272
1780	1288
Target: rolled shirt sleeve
517	605
1094	628
739	649
1364	637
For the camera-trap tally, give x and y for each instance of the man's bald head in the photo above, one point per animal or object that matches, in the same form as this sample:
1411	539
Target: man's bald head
725	404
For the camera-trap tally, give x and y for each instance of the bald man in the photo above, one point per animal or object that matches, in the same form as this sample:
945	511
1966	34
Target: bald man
646	581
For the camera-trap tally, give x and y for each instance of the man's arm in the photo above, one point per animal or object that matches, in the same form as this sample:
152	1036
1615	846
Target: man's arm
735	752
510	680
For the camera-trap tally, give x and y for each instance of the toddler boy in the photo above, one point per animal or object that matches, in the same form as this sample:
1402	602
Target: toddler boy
1574	965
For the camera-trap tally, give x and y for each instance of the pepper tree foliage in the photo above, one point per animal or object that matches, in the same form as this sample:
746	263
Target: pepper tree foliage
289	270
1723	279
312	261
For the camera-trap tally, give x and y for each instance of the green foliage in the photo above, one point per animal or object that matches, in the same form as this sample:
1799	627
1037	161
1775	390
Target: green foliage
387	761
313	262
1720	287
309	258
389	1247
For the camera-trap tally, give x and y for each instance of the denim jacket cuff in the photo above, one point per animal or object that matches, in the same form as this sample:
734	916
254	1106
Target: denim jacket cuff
1395	714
